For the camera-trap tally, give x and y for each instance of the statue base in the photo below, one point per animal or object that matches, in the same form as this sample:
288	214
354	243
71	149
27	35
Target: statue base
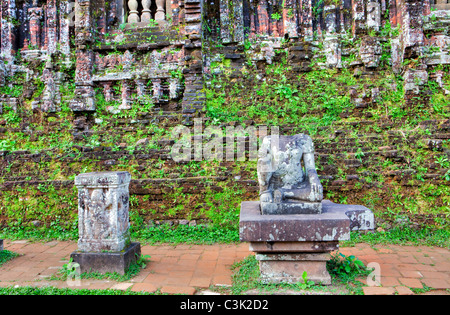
291	208
104	262
287	245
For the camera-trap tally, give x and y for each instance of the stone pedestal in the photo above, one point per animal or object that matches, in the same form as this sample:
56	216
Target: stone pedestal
286	245
103	262
103	223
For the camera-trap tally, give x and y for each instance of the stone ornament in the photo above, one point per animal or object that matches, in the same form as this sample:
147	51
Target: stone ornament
287	176
291	229
103	205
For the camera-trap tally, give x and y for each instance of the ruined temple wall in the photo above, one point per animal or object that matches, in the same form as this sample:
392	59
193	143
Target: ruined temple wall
198	33
356	34
96	39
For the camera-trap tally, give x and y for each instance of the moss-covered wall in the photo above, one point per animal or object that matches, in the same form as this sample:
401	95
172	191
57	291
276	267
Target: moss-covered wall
376	106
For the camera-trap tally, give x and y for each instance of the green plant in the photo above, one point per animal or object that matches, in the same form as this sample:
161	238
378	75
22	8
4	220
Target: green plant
443	161
346	268
70	268
306	284
6	255
245	275
49	290
276	16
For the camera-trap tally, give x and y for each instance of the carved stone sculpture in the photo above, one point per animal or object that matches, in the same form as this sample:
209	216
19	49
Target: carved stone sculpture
104	243
133	15
287	176
103	211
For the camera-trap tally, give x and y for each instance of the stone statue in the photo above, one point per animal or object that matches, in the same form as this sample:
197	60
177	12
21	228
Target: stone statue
287	176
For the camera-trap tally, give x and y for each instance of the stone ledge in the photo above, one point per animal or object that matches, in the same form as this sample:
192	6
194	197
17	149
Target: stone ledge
107	261
331	225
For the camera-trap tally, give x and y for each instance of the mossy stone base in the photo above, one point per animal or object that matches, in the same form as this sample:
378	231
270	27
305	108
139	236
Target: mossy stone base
104	262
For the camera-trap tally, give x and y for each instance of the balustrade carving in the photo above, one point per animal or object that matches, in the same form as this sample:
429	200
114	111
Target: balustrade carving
440	4
140	11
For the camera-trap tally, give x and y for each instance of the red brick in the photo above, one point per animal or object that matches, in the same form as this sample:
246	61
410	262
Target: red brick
436	283
411	274
146	287
378	291
411	282
433	274
401	290
389	281
408	260
178	290
200	282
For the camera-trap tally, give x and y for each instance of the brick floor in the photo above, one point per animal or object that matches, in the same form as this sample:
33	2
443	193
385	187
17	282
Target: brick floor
187	269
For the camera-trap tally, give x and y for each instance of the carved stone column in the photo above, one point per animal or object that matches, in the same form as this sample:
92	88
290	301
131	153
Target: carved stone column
7	33
146	14
35	15
133	15
103	217
84	99
160	12
52	21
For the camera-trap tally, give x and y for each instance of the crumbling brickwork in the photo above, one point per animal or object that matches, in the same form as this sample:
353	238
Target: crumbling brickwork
103	73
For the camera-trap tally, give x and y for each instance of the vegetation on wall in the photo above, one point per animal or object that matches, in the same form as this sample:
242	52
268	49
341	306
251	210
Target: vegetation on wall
373	148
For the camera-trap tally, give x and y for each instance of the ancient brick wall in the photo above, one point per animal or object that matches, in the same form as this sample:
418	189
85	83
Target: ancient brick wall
85	89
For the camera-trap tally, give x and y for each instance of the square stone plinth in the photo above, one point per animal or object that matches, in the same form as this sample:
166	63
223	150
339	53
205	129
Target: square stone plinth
287	245
103	262
289	267
329	225
272	208
103	211
294	247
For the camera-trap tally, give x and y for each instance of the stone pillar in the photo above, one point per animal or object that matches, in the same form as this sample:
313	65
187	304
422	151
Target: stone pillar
141	88
35	15
157	90
52	36
290	19
108	91
359	16
412	27
1	245
160	14
103	223
126	95
133	14
50	91
331	42
307	19
7	51
146	14
288	245
65	22
84	99
291	228
374	15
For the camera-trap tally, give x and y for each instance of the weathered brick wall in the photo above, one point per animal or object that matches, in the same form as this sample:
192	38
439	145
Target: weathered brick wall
101	94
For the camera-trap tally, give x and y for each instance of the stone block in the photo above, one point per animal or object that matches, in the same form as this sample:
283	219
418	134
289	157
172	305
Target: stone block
289	267
103	262
291	208
103	205
293	247
331	225
361	218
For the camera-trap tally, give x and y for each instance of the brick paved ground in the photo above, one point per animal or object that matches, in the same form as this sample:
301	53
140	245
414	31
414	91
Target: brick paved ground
189	269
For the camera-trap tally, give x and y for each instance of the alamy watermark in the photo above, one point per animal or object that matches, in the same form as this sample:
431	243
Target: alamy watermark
374	278
231	143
